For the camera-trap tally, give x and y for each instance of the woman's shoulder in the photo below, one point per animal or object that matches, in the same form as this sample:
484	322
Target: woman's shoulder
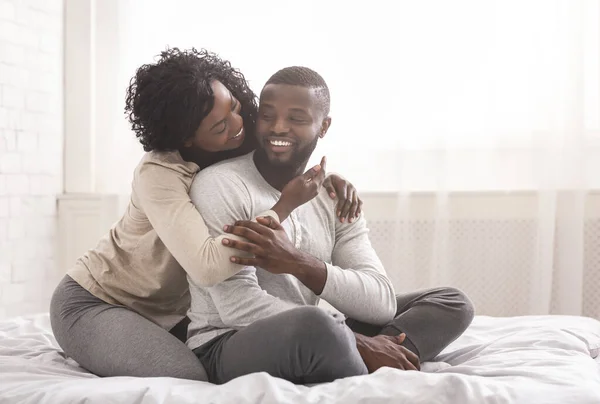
168	163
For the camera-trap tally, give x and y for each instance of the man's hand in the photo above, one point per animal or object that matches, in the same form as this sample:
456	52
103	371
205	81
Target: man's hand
267	241
383	350
273	251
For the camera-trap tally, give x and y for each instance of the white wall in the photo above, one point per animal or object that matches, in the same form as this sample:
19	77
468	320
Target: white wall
31	109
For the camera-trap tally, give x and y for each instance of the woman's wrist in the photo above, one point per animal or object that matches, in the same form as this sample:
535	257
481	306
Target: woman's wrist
282	209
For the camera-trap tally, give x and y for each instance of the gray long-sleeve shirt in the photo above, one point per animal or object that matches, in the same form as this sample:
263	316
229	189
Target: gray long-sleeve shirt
356	282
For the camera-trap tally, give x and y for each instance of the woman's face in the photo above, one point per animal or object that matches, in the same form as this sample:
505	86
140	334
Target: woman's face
223	128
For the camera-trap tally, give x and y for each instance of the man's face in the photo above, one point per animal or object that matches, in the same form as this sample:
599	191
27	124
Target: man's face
290	123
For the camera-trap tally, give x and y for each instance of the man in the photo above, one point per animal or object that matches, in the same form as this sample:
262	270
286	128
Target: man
264	318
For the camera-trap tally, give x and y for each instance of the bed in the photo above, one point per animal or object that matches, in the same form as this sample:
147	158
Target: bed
543	359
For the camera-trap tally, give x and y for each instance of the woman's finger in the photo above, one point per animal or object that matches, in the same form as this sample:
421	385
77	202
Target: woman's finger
359	210
352	214
347	204
269	222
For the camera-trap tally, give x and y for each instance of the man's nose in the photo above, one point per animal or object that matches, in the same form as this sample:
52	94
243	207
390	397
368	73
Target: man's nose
280	126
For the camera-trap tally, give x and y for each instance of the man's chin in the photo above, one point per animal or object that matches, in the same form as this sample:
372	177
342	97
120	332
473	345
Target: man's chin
280	159
277	162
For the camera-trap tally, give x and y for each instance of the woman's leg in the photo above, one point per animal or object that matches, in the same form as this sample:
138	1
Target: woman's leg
110	340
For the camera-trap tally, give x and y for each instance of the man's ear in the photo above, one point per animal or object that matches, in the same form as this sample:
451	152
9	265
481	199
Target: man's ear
325	127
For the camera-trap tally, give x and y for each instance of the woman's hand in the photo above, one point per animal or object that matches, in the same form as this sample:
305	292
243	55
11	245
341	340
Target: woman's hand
300	190
349	205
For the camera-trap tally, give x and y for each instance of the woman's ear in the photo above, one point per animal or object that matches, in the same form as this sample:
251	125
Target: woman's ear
325	127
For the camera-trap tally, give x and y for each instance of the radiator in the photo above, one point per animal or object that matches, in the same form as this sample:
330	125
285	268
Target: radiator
483	244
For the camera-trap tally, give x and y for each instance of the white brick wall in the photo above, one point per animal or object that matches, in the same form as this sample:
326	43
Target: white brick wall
31	139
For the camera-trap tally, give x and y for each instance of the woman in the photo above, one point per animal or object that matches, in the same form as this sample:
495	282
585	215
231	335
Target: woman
121	310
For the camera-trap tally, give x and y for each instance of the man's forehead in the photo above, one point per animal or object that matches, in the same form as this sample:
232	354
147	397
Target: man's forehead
288	93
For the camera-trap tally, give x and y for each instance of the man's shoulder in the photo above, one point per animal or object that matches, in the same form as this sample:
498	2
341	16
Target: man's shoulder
233	169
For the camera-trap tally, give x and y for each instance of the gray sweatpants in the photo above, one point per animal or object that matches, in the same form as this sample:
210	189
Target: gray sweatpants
309	345
111	340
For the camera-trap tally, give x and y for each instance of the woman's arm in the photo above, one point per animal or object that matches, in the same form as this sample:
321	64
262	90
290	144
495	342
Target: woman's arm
165	200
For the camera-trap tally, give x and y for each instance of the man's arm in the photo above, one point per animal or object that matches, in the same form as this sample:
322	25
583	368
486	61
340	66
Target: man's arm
355	283
239	299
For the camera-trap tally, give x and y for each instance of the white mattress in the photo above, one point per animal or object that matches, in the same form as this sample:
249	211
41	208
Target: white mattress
498	360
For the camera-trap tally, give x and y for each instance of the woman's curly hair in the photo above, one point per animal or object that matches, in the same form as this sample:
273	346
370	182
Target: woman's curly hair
167	100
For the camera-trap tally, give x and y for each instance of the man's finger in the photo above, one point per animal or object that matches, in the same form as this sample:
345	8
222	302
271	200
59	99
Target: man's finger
400	338
254	226
247	262
243	246
414	359
408	365
248	234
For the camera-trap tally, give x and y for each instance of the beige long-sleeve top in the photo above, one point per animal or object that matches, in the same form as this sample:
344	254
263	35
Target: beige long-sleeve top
143	261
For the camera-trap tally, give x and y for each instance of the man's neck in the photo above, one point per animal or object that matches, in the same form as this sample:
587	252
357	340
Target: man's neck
277	176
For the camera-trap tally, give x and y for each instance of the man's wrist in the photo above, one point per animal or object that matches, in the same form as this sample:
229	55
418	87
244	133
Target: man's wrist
311	271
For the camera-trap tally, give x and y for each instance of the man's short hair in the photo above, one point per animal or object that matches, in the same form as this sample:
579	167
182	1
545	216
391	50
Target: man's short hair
304	77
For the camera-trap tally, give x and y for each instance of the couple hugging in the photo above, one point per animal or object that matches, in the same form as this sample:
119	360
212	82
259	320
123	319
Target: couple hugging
217	266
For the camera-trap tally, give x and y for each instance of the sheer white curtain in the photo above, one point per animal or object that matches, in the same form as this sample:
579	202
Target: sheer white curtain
520	114
479	117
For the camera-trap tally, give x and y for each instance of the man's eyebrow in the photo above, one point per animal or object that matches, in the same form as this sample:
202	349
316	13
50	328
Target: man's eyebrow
222	120
299	110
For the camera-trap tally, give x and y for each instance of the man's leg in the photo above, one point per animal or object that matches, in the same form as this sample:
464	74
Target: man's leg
304	345
431	320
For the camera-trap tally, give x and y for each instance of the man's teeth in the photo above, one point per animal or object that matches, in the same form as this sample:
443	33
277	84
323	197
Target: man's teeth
280	143
239	133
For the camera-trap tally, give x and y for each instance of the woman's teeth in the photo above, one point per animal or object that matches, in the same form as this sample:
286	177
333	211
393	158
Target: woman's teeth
280	143
239	133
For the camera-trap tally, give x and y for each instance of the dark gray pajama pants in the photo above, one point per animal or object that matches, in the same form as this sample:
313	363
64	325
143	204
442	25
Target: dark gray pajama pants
309	345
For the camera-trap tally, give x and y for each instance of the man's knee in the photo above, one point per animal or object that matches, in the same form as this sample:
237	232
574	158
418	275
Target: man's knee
464	308
325	345
313	325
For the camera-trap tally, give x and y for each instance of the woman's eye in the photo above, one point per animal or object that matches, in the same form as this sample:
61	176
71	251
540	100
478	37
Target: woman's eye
222	130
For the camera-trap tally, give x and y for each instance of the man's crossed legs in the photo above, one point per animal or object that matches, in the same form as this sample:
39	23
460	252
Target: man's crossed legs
309	345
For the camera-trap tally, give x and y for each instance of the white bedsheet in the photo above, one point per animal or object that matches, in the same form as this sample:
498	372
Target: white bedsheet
498	360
